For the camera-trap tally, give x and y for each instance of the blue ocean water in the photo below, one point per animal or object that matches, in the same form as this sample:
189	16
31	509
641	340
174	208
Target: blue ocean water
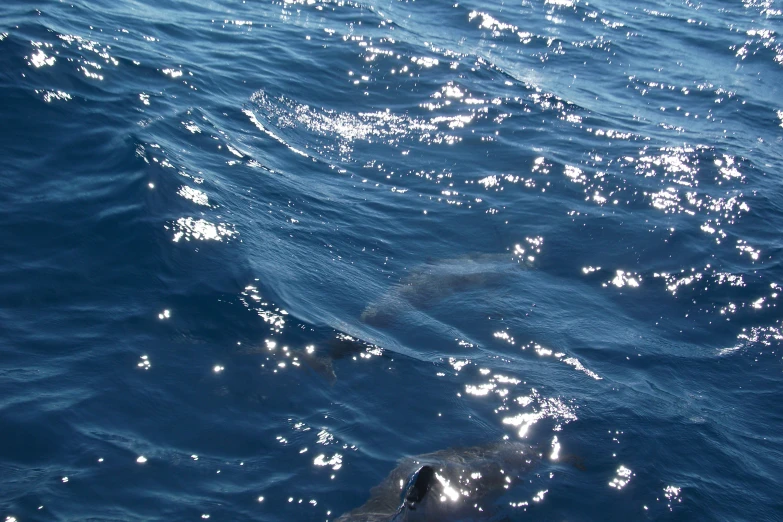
548	221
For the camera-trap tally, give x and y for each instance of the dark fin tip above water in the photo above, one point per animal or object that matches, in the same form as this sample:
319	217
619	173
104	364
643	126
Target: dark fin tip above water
419	485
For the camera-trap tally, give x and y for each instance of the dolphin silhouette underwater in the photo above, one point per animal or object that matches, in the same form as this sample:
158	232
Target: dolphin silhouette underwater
435	281
339	346
314	347
456	484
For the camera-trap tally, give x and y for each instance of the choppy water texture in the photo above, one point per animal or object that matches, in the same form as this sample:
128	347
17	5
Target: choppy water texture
256	253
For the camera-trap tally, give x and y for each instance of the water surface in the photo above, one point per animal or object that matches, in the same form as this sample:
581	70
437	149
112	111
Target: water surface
550	221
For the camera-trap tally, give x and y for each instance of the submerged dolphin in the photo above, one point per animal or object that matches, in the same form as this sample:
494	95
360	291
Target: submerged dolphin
448	485
340	346
436	280
314	347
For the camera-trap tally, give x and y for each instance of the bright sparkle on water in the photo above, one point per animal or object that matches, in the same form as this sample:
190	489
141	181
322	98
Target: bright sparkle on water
621	159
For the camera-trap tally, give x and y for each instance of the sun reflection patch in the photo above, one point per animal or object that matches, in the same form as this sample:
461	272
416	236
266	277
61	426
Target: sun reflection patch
40	59
504	335
274	316
196	196
542	407
555	449
623	278
50	96
335	461
762	335
335	133
571	361
144	363
523	421
622	478
672	494
188	228
488	22
458	364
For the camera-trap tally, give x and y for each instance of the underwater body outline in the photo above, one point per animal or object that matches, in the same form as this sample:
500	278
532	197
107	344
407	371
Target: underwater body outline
449	485
437	280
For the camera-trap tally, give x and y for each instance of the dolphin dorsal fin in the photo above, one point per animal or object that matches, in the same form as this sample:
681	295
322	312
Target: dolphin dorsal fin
418	486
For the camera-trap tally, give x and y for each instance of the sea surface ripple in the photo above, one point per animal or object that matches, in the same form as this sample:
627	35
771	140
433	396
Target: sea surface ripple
256	252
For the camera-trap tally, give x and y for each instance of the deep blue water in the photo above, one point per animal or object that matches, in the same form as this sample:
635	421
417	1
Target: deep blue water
552	221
